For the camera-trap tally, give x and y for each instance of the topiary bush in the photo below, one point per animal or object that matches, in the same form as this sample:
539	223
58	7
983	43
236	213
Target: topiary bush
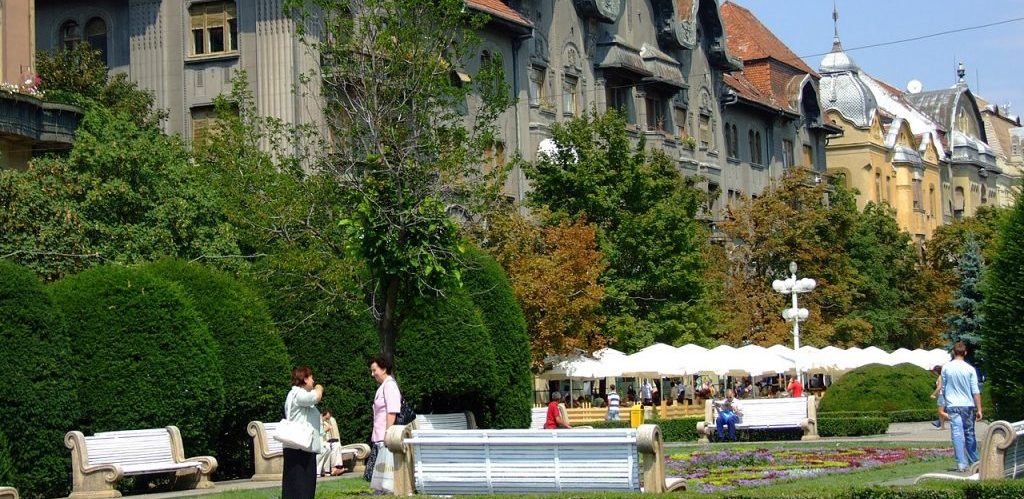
877	387
851	427
444	361
678	430
489	288
255	363
37	402
332	332
143	356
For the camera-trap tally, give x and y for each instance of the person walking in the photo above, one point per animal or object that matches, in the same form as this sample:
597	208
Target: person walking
613	404
645	393
387	403
729	412
962	406
939	399
298	477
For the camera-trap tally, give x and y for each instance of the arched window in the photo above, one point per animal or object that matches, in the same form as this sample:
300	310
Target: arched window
760	151
752	145
735	142
728	141
70	35
96	36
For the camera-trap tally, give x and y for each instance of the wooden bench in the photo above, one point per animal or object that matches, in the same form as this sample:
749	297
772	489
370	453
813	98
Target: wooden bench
767	414
8	493
440	462
1002	455
268	454
455	421
100	461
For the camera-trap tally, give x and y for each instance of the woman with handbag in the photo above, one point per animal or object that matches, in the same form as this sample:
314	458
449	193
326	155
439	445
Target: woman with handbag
387	403
298	481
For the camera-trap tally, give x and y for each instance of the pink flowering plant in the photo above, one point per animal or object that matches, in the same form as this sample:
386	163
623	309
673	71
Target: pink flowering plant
713	471
29	85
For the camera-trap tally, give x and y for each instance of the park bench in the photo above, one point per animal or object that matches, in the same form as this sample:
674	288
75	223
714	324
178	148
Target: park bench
539	416
1002	455
440	462
454	421
767	414
98	462
8	493
268	454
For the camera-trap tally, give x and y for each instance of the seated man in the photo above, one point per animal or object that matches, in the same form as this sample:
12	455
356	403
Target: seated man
554	418
729	413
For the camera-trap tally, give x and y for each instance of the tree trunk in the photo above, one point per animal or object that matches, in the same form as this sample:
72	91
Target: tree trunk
387	327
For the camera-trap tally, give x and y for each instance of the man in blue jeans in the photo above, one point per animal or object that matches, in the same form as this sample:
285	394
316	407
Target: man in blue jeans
963	406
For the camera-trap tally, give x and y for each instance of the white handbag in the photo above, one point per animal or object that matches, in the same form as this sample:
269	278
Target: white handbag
293	434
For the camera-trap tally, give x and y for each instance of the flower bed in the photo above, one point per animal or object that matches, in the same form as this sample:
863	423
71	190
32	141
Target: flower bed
714	471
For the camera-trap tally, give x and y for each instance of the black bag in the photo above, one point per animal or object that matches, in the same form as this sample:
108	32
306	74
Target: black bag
371	461
405	415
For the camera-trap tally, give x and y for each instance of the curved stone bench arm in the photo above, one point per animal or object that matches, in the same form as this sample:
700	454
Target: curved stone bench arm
8	493
394	439
207	464
90	482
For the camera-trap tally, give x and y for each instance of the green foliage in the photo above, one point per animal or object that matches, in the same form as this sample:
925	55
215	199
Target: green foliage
852	427
37	404
124	193
678	430
142	354
944	249
1003	329
646	214
988	489
444	360
255	364
904	416
607	424
967	322
491	292
877	387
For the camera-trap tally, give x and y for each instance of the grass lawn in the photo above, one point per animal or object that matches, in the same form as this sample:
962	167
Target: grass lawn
900	472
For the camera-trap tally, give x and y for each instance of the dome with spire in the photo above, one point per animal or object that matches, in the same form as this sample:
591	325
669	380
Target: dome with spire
837	61
841	86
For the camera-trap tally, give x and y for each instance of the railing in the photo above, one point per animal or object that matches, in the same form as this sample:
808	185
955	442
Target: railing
590	414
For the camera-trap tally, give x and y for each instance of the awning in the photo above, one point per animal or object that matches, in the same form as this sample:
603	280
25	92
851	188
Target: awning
663	68
616	55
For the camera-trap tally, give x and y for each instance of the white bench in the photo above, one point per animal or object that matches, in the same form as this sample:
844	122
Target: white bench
100	461
455	421
1002	455
8	493
539	416
768	414
268	454
440	462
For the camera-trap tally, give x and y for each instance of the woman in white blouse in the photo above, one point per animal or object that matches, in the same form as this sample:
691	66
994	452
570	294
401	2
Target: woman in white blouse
298	481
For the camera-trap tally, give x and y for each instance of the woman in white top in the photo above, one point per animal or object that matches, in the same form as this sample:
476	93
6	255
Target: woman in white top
387	403
298	481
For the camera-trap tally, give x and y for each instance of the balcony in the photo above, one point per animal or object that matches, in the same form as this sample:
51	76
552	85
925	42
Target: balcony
37	125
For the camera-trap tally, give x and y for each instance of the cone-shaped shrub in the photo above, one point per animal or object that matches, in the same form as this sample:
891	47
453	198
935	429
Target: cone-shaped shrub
254	360
37	402
143	355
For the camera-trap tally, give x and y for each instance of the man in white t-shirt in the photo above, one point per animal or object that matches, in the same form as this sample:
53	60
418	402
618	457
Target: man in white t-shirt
963	406
613	404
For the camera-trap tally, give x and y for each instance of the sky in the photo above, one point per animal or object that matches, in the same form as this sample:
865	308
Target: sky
993	56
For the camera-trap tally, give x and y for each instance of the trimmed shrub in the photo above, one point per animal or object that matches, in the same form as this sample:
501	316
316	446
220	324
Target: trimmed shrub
913	415
607	424
678	430
444	361
37	404
489	288
1002	336
143	355
6	463
255	363
331	332
852	427
877	387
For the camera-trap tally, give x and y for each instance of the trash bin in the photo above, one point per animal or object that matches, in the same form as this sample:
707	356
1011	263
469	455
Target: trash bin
636	416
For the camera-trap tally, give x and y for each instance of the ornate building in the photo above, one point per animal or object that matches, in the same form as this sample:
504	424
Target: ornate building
999	128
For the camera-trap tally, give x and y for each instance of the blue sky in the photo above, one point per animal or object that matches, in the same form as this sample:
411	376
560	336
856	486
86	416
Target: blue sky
994	56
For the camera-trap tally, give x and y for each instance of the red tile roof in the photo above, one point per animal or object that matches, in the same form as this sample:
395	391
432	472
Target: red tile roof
499	9
750	40
744	88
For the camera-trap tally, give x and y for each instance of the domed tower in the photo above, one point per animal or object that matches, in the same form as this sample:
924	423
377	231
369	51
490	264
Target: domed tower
842	88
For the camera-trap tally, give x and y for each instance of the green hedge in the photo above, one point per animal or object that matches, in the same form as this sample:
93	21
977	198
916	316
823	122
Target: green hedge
489	288
678	430
332	332
852	427
444	360
37	401
607	424
877	387
143	355
906	416
255	364
6	463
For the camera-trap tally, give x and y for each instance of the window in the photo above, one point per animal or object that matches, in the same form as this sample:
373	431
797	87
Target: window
618	95
714	192
655	113
752	146
570	98
958	203
730	139
787	153
984	195
808	156
931	199
918	188
96	36
494	157
878	186
705	139
537	90
214	28
70	35
203	118
679	120
759	159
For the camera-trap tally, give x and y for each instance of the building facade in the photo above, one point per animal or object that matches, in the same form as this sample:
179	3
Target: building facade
999	128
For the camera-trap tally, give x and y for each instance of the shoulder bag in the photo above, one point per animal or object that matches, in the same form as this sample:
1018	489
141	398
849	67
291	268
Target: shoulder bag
293	434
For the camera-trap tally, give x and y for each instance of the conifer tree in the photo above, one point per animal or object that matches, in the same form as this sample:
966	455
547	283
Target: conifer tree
1003	329
965	322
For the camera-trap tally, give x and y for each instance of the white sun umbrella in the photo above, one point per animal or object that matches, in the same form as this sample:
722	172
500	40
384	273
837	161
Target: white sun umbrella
575	367
689	356
853	358
822	360
757	360
612	362
936	357
877	355
713	361
656	361
902	356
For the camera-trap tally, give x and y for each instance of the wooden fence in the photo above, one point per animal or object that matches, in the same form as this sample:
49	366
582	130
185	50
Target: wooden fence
579	415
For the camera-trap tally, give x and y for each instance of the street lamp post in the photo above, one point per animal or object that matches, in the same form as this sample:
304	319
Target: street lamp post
793	286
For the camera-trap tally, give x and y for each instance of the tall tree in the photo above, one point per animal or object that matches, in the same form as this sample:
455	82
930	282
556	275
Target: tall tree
646	215
405	142
967	320
1003	307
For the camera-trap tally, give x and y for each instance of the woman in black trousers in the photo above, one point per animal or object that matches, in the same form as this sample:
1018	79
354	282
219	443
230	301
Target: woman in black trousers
298	481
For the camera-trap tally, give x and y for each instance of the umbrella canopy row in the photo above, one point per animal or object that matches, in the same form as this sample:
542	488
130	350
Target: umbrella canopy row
661	360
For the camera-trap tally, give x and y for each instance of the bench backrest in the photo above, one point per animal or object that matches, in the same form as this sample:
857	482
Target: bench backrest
455	421
524	461
130	447
773	413
273	445
538	416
